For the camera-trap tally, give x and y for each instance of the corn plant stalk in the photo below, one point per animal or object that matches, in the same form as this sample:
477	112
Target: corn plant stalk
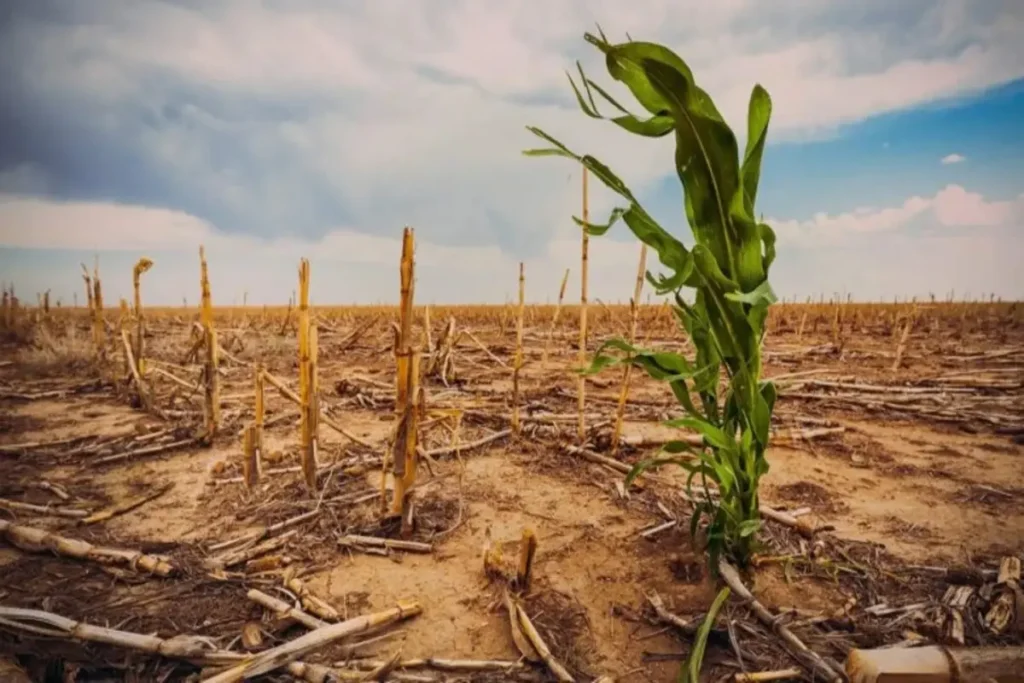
407	365
311	412
88	286
554	317
634	312
727	269
141	266
211	380
31	539
517	363
254	447
99	331
581	385
303	338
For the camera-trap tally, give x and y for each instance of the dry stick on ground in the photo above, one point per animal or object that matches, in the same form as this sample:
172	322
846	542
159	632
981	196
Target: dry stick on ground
37	622
16	506
133	369
248	552
530	631
634	313
468	446
764	676
581	358
687	627
517	362
31	539
453	665
149	450
313	604
357	541
554	317
283	610
287	393
127	505
263	532
936	664
483	347
282	655
797	649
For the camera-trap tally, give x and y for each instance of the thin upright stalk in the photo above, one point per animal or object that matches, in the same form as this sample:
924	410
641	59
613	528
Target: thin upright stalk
634	312
581	386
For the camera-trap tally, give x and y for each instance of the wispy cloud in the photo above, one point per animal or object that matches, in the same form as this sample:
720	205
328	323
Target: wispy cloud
953	159
322	125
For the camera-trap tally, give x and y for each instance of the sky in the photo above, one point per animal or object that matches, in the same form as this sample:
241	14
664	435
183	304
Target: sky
276	130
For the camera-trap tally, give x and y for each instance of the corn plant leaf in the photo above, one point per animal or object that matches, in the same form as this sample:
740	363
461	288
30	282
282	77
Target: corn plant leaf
712	434
749	527
691	672
726	267
599	229
589	107
759	112
706	161
760	295
645	465
626	68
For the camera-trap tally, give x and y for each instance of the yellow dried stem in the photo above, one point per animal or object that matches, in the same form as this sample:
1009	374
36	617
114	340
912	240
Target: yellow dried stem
251	457
212	384
88	286
634	312
517	363
407	364
206	305
310	411
554	318
99	332
428	342
141	266
901	347
581	401
303	330
211	378
260	397
527	551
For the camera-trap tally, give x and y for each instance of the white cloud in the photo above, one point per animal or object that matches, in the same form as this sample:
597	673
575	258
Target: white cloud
874	252
953	159
414	112
950	207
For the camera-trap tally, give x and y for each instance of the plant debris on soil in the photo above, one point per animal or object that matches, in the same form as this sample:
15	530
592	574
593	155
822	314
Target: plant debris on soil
895	501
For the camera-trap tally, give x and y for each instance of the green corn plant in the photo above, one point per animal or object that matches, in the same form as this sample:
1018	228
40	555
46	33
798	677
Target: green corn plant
726	268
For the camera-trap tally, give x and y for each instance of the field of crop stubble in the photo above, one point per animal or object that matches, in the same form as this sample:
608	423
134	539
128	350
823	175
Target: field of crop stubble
895	480
435	494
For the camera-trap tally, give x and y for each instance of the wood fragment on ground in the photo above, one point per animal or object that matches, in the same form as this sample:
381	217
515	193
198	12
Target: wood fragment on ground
31	539
936	664
127	505
800	652
43	510
282	655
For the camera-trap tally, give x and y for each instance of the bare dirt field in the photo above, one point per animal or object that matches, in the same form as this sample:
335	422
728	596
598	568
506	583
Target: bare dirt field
907	484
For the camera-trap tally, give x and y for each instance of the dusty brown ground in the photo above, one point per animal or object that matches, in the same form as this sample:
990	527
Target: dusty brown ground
934	475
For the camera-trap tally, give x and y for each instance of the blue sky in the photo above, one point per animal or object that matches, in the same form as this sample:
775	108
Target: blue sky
279	130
